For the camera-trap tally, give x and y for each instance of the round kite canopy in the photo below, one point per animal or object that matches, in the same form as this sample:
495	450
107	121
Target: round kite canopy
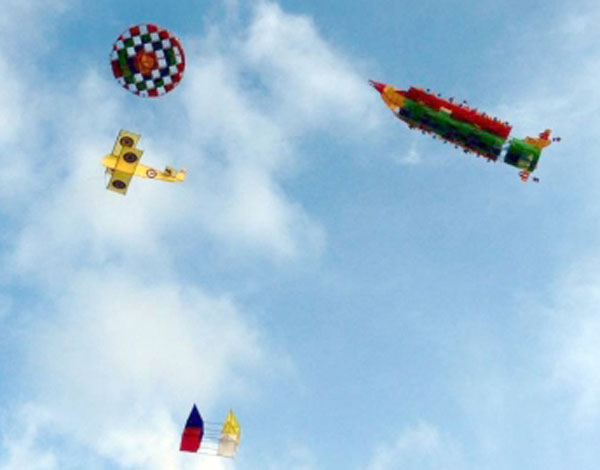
147	60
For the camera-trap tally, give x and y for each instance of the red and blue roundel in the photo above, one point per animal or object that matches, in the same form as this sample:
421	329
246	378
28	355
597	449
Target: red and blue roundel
147	60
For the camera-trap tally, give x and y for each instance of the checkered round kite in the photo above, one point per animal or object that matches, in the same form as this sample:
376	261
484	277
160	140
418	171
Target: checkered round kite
147	60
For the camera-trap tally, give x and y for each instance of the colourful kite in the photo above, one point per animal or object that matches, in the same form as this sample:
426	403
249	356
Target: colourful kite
123	163
147	60
193	432
464	127
230	436
206	439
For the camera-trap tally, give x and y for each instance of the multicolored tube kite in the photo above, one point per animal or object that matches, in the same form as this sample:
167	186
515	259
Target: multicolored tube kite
464	127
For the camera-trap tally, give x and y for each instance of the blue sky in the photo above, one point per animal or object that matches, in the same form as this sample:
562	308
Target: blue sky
363	297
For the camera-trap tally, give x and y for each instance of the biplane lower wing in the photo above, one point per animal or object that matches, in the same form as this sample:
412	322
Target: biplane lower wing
119	181
122	167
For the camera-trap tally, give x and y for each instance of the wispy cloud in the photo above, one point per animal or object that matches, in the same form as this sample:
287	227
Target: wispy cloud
573	336
421	447
21	447
294	456
121	337
312	83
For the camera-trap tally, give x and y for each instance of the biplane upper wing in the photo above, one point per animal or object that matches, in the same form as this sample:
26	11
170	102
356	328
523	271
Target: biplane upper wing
125	139
123	161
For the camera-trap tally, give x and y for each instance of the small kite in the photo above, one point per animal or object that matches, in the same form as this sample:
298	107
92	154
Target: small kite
147	60
465	127
124	163
230	436
205	439
193	432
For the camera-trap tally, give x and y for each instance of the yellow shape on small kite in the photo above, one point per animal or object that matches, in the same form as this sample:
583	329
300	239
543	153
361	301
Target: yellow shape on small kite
231	426
230	436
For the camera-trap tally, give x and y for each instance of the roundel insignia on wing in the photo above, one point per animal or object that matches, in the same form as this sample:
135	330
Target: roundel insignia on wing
126	141
147	60
130	157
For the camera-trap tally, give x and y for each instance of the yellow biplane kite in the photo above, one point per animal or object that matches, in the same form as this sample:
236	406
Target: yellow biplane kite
124	163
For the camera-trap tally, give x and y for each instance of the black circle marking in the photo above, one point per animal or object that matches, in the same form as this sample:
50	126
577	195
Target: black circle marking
130	157
126	141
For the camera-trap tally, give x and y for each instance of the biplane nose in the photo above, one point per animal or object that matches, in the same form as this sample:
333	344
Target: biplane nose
378	86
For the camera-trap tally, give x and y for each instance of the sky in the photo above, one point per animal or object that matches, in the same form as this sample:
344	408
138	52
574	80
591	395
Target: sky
363	297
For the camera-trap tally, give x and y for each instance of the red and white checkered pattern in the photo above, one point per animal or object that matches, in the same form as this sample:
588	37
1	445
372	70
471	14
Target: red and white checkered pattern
158	47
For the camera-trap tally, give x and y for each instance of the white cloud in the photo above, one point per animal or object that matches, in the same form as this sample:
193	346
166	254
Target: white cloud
21	449
25	40
23	19
552	97
570	102
118	363
573	335
242	155
238	148
313	84
295	457
17	124
142	339
122	342
419	447
150	443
